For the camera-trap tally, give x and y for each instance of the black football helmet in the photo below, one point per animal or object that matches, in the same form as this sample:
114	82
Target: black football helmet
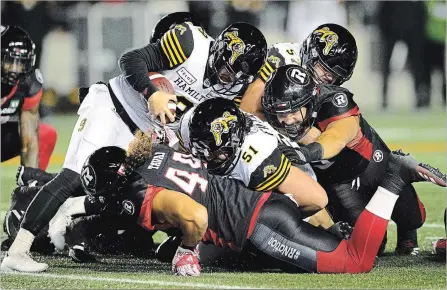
235	57
290	88
333	47
99	175
216	131
18	56
170	21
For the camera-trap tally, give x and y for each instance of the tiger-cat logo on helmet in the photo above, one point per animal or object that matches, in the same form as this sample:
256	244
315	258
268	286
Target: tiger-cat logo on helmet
222	126
329	37
235	45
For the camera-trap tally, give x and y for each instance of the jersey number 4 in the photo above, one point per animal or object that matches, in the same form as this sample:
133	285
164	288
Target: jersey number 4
185	180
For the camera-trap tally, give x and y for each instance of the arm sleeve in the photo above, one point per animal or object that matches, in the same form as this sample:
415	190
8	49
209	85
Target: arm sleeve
174	48
273	61
271	172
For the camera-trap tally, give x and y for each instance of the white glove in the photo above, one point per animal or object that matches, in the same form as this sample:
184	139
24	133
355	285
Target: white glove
186	262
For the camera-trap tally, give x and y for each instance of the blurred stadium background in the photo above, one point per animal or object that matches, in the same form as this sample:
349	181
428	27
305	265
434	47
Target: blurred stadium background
80	42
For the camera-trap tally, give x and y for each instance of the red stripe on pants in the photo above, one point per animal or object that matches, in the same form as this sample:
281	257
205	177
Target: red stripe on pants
357	254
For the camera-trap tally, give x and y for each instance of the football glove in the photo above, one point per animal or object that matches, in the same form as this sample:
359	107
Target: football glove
186	262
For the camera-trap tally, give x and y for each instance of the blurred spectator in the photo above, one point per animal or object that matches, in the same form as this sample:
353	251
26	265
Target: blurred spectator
36	17
435	30
304	16
405	21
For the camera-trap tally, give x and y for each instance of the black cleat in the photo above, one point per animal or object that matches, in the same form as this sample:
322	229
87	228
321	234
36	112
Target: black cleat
166	250
407	243
80	254
422	171
28	176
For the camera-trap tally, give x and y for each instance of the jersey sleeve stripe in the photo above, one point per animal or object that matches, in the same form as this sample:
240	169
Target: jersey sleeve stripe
165	52
278	177
269	66
173	45
263	76
179	47
166	42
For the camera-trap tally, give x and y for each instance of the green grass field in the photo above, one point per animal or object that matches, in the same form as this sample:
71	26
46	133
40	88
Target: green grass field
422	134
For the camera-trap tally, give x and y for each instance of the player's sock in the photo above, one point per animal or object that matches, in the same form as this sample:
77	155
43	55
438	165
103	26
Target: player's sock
47	141
357	255
22	242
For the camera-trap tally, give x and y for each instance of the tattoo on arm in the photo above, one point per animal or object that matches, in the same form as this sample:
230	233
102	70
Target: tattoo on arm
29	131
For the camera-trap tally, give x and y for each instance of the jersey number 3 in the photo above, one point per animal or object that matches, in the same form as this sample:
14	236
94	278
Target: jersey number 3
185	180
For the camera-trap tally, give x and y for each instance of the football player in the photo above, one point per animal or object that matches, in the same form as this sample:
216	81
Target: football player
243	147
22	132
109	114
352	157
330	53
161	188
198	66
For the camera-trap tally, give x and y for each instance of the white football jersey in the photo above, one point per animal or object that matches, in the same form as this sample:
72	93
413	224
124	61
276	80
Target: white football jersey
260	165
280	54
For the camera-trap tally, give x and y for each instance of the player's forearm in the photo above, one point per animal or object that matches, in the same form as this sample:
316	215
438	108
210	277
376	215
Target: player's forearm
251	101
29	130
337	135
193	226
310	136
137	63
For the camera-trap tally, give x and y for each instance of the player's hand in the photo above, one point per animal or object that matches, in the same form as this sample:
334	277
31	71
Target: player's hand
295	155
341	230
186	262
158	106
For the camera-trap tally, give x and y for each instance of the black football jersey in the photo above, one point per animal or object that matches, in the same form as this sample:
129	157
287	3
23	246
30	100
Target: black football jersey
355	157
229	204
24	95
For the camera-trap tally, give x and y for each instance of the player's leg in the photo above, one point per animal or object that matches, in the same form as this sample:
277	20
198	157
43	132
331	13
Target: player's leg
47	141
281	234
97	126
409	215
11	142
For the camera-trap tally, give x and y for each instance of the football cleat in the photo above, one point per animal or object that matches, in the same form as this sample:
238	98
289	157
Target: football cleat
80	254
423	172
439	248
22	262
28	176
407	243
167	249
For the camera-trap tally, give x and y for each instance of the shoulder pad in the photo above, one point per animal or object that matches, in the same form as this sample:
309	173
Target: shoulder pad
177	44
335	103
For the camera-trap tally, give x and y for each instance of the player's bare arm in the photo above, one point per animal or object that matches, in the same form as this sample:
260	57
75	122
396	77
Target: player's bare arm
309	195
251	101
337	135
181	211
29	129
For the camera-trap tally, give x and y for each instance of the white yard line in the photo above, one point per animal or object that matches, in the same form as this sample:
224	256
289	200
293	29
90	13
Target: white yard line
128	280
436	226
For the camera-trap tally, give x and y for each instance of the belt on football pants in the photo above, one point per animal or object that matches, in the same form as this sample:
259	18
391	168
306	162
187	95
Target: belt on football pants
121	112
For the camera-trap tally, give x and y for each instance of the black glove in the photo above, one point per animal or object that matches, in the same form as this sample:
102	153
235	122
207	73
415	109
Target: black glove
341	230
303	154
